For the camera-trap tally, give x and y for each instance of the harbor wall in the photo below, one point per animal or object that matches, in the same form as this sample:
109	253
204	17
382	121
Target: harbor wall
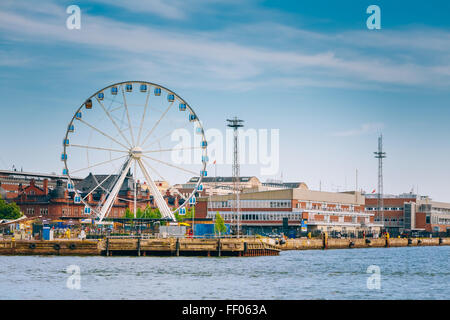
308	244
143	247
199	247
56	247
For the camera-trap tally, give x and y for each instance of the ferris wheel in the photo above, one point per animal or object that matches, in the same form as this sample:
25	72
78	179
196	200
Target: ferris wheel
129	140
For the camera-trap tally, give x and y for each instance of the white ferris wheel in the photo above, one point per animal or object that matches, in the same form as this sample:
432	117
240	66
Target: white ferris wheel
126	134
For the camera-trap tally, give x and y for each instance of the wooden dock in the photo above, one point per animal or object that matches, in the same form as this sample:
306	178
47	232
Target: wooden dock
55	247
143	247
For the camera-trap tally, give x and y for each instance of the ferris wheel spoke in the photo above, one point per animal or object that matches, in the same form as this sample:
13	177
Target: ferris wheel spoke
98	185
157	123
116	108
96	148
167	134
99	164
160	202
128	114
115	191
102	133
143	117
135	189
163	179
171	165
173	149
114	122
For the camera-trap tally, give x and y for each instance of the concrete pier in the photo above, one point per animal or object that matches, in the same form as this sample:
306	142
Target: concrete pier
308	244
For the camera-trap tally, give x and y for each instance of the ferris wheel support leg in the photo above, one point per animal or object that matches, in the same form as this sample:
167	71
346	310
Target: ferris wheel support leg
160	202
112	196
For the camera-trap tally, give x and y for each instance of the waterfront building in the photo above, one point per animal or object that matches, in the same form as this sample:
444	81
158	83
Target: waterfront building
409	212
285	210
61	203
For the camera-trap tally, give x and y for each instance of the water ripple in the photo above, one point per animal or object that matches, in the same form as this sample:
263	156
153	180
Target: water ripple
406	273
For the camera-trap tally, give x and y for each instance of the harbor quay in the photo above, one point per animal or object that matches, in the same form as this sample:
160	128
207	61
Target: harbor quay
238	247
141	246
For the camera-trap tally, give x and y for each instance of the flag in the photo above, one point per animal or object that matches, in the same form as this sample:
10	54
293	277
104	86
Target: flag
214	162
373	191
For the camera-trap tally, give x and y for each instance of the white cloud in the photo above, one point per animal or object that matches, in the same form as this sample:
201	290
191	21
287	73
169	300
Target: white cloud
207	57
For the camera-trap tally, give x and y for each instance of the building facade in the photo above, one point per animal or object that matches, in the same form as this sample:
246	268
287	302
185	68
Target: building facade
284	210
408	212
60	203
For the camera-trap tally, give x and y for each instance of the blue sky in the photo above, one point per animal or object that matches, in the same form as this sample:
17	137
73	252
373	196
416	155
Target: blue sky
309	68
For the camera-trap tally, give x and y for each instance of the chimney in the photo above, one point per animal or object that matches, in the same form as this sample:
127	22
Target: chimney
46	186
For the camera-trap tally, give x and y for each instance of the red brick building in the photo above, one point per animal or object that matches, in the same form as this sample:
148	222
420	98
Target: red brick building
59	202
410	213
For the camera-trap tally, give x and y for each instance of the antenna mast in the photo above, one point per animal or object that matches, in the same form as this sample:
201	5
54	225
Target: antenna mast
380	155
236	123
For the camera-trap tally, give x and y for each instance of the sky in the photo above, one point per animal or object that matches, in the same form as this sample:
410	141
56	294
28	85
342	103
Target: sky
311	69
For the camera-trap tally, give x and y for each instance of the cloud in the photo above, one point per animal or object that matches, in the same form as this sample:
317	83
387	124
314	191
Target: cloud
364	129
169	9
9	59
218	60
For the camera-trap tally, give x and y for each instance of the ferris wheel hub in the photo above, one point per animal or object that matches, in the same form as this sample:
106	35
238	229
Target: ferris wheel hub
136	153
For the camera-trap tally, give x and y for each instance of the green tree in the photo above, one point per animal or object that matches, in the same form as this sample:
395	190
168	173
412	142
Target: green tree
219	225
129	214
152	213
9	211
155	214
190	212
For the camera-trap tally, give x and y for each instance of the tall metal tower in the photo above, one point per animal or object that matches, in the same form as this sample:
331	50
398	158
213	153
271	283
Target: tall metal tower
236	123
380	155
